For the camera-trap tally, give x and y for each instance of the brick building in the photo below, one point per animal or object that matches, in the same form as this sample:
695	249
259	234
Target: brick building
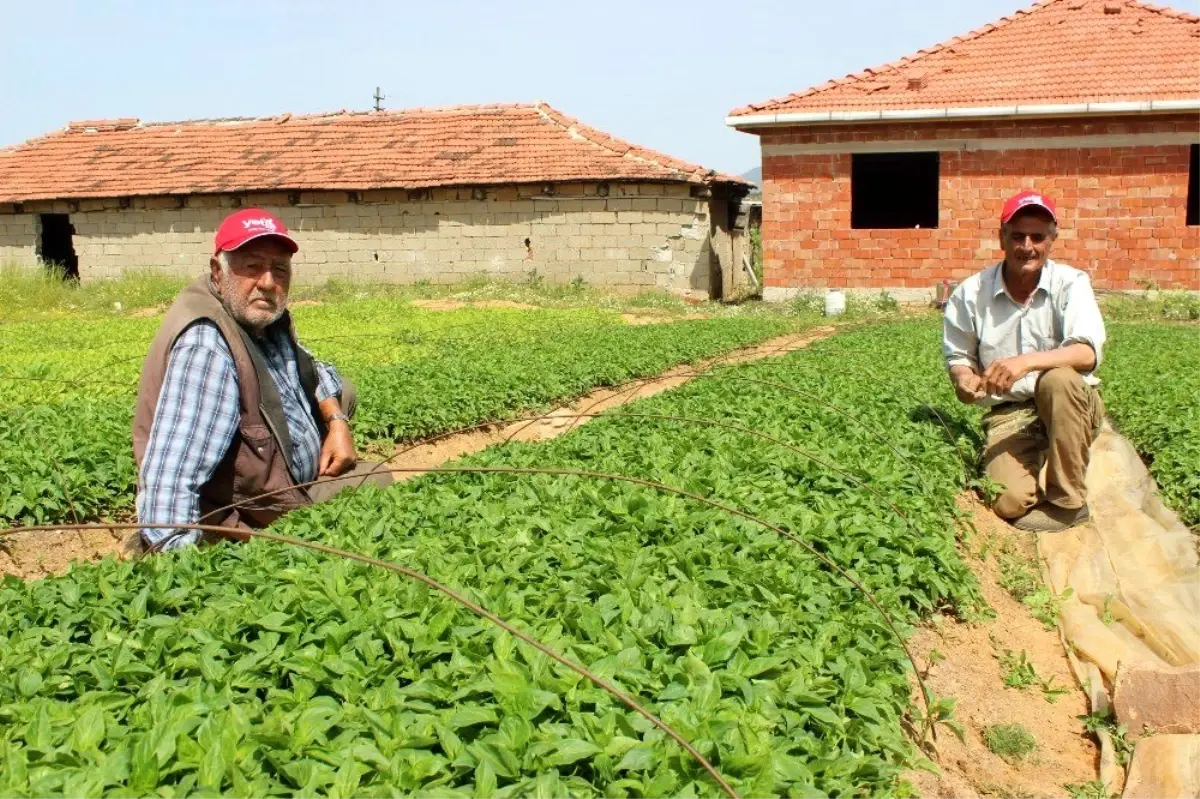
893	178
419	195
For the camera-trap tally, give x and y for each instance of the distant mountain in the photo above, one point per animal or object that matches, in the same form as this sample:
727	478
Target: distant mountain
755	177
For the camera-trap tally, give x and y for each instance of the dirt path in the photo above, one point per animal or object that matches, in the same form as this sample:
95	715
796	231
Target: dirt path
562	420
972	673
34	555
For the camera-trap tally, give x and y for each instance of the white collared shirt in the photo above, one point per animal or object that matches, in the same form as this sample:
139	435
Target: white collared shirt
983	323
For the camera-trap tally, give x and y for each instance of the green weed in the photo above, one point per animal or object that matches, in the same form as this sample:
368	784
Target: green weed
1016	575
1020	578
1106	615
1105	720
1018	671
1093	789
1047	606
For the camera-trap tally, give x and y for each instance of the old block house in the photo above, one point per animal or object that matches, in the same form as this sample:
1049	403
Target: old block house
893	178
436	195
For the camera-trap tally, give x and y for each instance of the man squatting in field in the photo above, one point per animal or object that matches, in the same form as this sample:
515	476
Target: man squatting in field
1024	338
230	406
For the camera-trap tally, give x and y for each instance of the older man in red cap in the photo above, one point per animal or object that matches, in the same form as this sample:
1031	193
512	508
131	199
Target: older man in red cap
234	418
1024	337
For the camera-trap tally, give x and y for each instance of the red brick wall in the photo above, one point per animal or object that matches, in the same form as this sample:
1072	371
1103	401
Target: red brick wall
1122	210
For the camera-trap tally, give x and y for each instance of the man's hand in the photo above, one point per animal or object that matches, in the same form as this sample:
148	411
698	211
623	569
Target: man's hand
1002	374
337	452
968	385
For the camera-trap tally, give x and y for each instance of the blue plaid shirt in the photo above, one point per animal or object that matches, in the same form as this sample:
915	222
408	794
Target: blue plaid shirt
197	417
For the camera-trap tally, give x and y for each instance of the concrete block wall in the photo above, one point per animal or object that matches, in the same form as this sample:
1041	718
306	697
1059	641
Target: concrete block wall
615	235
18	239
1120	185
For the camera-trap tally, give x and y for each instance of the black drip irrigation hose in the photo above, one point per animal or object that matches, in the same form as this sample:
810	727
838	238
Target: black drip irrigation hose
651	416
704	374
633	387
925	694
412	574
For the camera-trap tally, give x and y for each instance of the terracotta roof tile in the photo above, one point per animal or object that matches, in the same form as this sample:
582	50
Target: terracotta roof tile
1057	51
350	151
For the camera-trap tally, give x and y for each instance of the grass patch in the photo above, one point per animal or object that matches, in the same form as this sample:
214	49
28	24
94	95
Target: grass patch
30	294
1000	790
26	293
1010	741
858	306
1151	306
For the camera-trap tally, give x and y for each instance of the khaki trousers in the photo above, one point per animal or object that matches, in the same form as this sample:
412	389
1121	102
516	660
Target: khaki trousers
1057	427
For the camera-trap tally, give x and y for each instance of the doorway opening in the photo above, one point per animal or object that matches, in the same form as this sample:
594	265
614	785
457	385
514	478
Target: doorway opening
56	248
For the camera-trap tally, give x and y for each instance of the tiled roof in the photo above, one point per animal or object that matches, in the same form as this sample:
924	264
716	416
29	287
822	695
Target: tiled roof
416	148
1054	52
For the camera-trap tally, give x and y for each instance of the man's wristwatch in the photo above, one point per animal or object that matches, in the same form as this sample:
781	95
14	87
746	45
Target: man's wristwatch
339	416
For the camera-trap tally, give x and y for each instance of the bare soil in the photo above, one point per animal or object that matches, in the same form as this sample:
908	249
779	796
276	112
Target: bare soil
35	555
971	673
656	319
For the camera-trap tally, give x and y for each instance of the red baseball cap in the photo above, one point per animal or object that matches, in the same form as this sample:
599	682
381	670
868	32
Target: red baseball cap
250	224
1024	200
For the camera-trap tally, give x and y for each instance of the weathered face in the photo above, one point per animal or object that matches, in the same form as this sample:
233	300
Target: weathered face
254	287
1026	241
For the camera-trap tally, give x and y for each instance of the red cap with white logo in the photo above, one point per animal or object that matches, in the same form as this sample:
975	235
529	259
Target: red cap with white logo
250	224
1024	200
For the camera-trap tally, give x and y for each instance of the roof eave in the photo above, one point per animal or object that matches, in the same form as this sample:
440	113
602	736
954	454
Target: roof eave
690	180
800	118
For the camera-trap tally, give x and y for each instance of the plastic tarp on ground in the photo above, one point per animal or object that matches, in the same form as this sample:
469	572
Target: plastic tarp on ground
1134	580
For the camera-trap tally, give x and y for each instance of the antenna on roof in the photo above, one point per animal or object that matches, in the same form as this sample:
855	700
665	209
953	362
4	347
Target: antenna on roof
379	98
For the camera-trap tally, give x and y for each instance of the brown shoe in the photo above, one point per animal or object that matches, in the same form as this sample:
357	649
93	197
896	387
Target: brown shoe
1047	518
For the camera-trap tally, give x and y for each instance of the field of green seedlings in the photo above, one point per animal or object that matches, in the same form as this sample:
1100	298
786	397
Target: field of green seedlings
1151	386
67	384
267	670
664	547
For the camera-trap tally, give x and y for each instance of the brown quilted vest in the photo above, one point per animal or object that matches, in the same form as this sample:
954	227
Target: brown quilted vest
256	462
